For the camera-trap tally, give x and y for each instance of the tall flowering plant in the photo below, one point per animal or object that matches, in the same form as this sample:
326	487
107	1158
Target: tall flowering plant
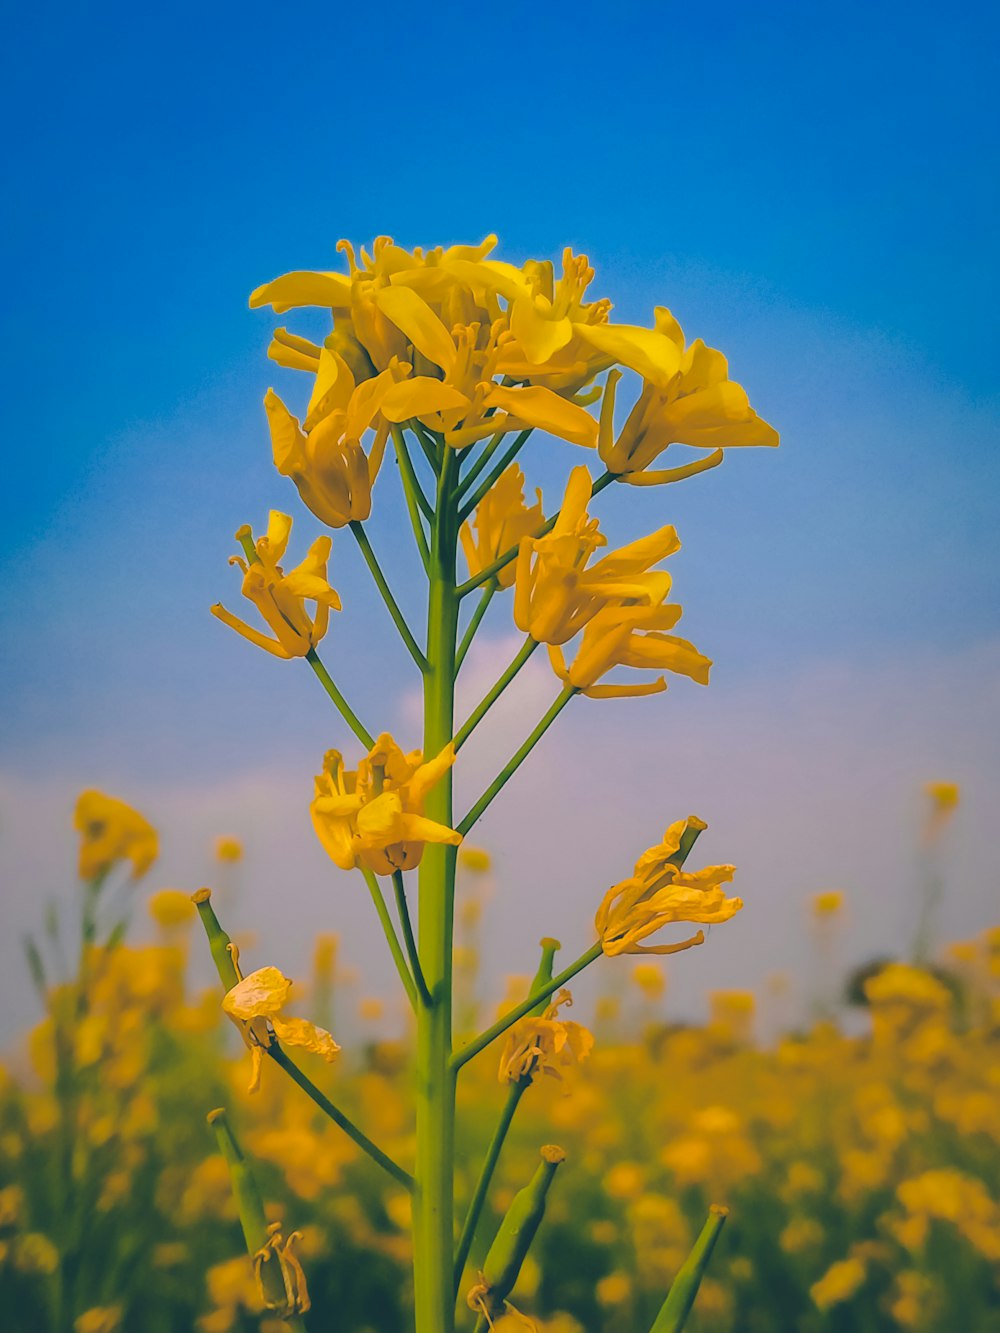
462	363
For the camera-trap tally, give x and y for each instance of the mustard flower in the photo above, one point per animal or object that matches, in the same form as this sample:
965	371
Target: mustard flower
660	893
111	831
695	403
373	817
280	598
501	519
556	590
633	636
255	1005
546	1044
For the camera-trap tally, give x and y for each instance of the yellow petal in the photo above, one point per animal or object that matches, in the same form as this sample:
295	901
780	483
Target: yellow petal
414	317
300	1032
288	442
304	288
653	355
540	407
539	337
420	396
259	995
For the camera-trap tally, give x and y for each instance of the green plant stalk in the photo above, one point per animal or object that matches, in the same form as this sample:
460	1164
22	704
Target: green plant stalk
515	762
398	619
542	977
416	501
502	1265
433	1205
488	593
403	910
490	698
392	939
249	1206
676	1308
509	454
344	708
538	994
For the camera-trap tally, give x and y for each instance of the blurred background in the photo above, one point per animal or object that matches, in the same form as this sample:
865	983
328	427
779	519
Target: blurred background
814	191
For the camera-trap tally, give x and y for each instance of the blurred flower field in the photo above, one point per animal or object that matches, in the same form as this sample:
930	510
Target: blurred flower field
859	1160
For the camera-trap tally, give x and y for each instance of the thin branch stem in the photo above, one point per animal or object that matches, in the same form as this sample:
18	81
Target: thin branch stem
411	945
406	463
514	1095
416	501
338	1117
474	623
470	585
346	711
525	1007
387	597
513	764
428	444
392	939
507	458
470	477
490	698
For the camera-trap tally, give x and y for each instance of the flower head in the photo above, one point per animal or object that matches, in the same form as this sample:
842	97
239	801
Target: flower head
111	831
627	634
279	597
256	1004
546	1044
660	893
373	817
501	519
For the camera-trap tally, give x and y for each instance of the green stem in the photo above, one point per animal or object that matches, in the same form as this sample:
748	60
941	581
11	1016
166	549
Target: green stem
525	1007
433	1206
402	908
490	698
429	445
337	1116
514	1095
470	585
474	623
392	939
387	597
509	454
513	764
470	477
415	498
345	709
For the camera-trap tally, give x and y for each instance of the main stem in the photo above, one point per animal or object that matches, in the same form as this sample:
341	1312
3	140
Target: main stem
433	1205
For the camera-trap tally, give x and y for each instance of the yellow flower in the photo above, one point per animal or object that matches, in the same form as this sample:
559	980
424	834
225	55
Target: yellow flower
331	471
630	635
911	987
255	1005
112	831
944	798
695	404
228	849
556	594
838	1283
374	817
280	598
650	980
546	1044
99	1319
828	903
171	908
501	520
475	859
660	893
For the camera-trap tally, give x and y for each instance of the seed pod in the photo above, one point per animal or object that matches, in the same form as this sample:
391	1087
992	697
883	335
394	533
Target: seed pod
218	941
676	1308
517	1230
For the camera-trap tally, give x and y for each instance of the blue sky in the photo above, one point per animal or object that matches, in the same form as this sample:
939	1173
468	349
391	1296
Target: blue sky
813	191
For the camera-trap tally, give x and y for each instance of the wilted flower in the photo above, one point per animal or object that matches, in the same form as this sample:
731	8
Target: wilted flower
545	1044
255	1005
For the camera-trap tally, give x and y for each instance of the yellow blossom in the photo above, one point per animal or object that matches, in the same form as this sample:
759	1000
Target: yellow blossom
687	398
170	908
280	598
546	1044
556	594
324	456
910	987
373	817
228	849
501	520
99	1319
660	893
475	859
944	797
111	831
838	1283
828	903
630	635
255	1005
